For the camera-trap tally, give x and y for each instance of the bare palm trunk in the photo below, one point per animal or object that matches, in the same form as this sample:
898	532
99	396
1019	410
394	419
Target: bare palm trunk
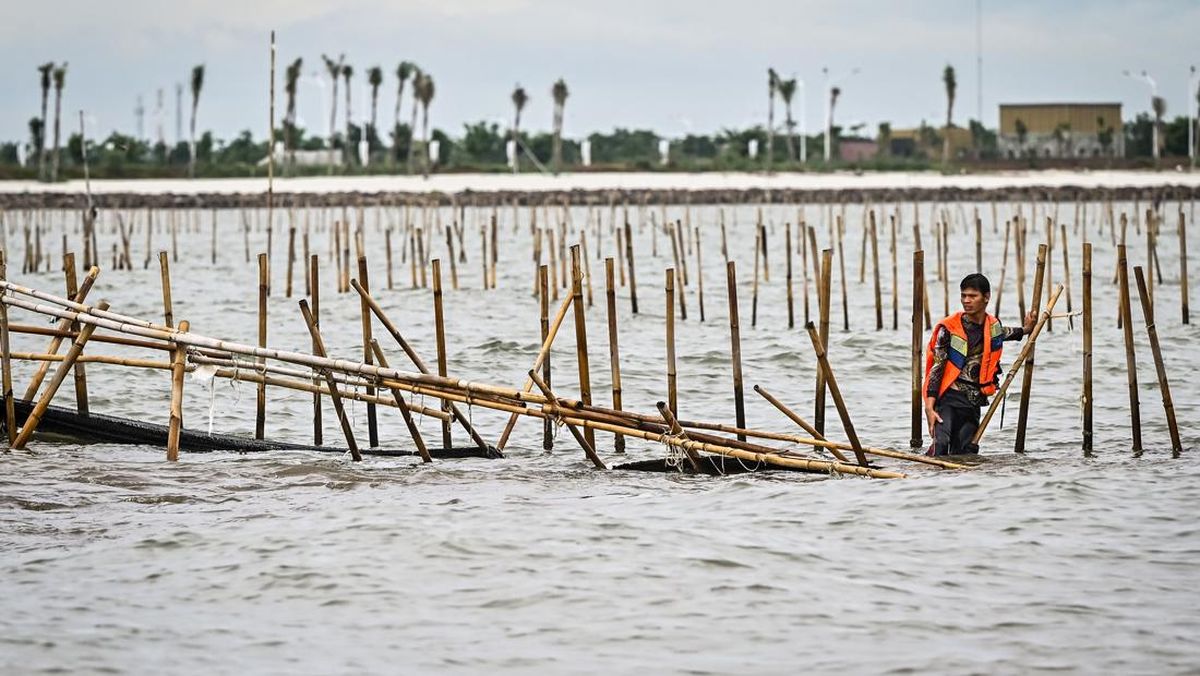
557	154
770	127
425	137
791	133
192	141
412	132
347	149
332	123
517	142
42	136
57	118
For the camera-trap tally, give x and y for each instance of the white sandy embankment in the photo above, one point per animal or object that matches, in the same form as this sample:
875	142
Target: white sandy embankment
455	183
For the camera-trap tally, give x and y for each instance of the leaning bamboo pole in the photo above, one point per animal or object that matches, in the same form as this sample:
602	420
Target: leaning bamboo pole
39	409
1160	368
735	347
81	389
835	392
1087	348
1013	370
1039	281
84	288
588	449
1135	414
10	416
334	396
405	411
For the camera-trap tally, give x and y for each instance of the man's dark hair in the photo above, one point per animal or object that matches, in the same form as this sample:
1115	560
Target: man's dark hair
976	281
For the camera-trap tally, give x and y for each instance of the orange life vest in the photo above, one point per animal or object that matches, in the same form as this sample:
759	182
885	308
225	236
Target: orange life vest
956	356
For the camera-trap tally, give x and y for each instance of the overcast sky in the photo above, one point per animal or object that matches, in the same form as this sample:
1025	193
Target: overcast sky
674	66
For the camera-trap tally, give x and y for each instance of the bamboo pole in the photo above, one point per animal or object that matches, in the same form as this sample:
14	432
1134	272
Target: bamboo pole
260	408
843	412
787	246
1003	268
544	321
10	414
368	353
581	349
842	266
1135	415
334	395
917	431
699	274
1066	274
542	356
588	449
63	325
291	261
39	409
875	267
81	389
614	351
1183	271
795	417
1039	281
405	412
314	268
176	422
754	287
1087	348
824	298
165	273
1013	370
672	396
895	277
632	278
417	361
1163	386
439	324
735	345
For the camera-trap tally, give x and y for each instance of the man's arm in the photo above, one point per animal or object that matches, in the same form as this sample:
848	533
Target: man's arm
940	349
1021	331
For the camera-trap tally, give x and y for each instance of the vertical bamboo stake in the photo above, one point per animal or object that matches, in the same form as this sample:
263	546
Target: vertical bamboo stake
179	357
544	311
735	346
1183	276
895	278
368	353
754	286
439	325
314	269
334	395
614	351
918	292
585	381
978	245
36	381
1003	268
450	255
1039	281
875	266
802	245
68	362
587	263
824	301
1066	273
10	413
81	390
1087	348
212	244
1160	368
842	264
589	450
1135	413
787	245
699	274
632	278
843	412
165	274
672	399
260	409
387	249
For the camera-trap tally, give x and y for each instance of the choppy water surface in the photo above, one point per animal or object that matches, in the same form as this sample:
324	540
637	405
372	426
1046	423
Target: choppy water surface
113	560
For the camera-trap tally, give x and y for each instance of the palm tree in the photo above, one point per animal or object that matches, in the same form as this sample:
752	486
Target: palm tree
834	93
560	93
59	77
197	85
423	88
772	85
36	133
1022	134
335	69
884	139
787	89
347	147
1159	105
45	69
374	78
412	127
519	99
403	72
951	86
291	80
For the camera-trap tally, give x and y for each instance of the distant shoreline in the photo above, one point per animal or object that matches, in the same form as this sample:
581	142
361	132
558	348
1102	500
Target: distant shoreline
605	188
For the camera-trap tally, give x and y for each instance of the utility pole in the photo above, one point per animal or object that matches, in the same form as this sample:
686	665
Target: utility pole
178	113
139	113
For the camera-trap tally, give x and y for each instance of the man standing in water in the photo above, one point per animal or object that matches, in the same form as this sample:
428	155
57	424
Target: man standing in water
962	367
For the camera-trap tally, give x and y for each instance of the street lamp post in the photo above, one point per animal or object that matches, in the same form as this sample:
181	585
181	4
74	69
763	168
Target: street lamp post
1145	77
